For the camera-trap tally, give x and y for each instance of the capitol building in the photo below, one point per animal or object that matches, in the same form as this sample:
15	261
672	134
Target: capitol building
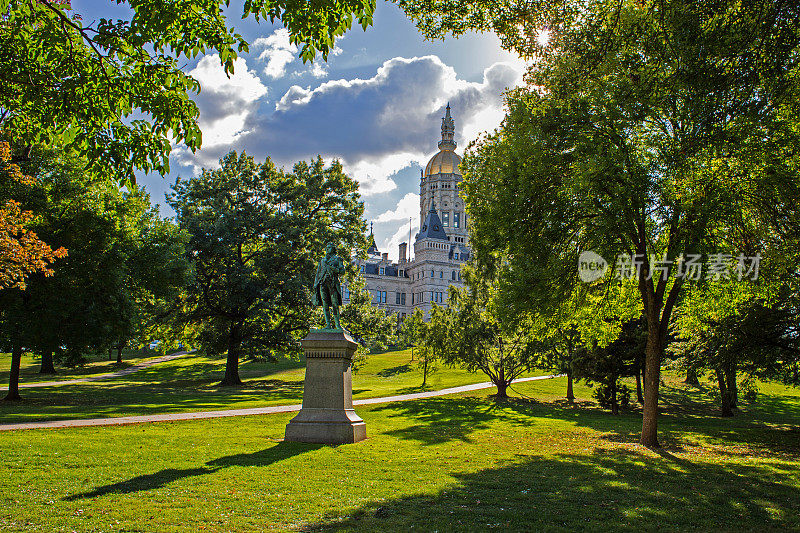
440	247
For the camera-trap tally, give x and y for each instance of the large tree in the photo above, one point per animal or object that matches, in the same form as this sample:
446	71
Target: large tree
256	234
645	131
114	90
125	263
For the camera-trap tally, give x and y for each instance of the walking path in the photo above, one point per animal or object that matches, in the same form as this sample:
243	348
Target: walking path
109	375
171	417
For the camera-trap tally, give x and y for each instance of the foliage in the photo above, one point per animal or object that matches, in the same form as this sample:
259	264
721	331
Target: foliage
114	90
371	327
256	234
478	339
755	334
22	252
607	365
647	130
125	264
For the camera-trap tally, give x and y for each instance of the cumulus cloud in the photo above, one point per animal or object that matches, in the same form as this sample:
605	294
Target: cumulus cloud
407	207
376	126
277	51
225	102
391	244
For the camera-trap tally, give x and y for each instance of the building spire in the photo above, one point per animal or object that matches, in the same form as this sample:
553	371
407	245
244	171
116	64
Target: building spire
448	131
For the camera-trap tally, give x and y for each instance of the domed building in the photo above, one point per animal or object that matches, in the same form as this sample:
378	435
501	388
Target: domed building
440	247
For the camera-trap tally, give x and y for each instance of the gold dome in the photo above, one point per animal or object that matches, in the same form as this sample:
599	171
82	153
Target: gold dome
446	162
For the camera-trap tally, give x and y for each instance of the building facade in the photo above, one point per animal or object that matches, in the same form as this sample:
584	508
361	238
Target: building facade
440	247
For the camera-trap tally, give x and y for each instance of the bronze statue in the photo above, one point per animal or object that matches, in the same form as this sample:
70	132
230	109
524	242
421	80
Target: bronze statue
327	289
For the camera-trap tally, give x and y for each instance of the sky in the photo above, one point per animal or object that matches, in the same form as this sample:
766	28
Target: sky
376	105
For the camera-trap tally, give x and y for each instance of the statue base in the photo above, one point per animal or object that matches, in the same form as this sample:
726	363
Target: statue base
327	415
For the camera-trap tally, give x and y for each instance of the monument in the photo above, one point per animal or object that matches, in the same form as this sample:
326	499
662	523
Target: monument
327	415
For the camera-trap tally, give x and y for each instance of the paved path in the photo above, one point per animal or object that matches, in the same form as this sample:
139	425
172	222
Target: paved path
171	417
109	375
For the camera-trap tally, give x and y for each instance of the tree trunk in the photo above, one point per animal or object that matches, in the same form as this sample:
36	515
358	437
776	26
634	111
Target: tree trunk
111	354
570	394
232	364
47	363
691	377
13	375
733	388
724	394
502	389
425	370
614	405
119	352
652	378
639	397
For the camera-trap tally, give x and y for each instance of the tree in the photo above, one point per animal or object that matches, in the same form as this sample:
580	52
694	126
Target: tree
371	327
644	132
756	334
480	340
412	330
256	234
607	365
113	90
22	252
125	263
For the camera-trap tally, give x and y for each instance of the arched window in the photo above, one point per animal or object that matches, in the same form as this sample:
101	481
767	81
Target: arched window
454	275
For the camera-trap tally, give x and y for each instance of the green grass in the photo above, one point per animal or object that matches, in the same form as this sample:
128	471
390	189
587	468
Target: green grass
94	366
190	383
456	463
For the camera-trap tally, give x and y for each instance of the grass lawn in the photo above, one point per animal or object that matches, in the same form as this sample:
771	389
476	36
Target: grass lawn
189	383
456	463
95	365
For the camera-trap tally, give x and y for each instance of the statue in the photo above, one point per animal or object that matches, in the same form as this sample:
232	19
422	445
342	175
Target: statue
327	289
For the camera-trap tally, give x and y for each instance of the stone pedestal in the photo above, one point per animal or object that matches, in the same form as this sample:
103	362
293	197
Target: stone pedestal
327	415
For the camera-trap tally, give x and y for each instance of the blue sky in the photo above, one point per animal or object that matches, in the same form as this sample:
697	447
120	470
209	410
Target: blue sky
376	105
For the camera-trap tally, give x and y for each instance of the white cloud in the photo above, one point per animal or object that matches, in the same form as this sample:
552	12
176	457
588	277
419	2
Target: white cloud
278	52
374	174
407	207
376	126
225	102
243	84
391	244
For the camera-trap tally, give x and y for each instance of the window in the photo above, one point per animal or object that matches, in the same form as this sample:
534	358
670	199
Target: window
382	271
455	256
412	298
454	275
445	219
383	297
400	273
397	298
403	299
363	269
433	296
432	274
441	274
456	220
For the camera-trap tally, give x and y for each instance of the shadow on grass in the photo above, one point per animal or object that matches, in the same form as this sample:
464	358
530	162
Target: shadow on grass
445	419
156	480
109	400
395	370
601	491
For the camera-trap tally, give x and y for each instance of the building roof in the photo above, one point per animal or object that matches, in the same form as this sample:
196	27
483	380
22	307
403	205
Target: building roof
432	227
373	248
